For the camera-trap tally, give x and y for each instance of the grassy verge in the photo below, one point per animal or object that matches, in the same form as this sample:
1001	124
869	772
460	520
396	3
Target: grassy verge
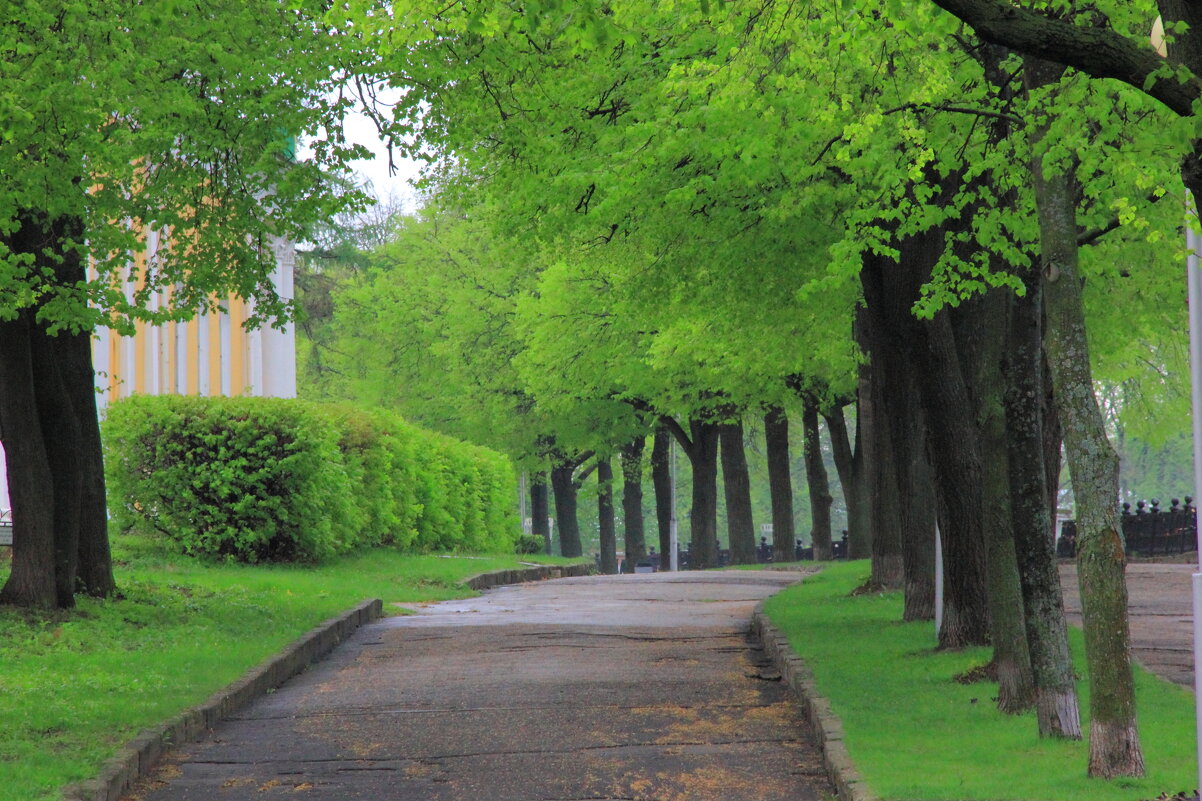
917	735
76	685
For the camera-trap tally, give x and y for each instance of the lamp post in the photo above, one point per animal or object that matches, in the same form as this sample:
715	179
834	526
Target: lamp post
1194	283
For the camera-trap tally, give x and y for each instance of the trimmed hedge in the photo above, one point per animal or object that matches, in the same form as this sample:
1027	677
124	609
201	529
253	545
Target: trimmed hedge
271	479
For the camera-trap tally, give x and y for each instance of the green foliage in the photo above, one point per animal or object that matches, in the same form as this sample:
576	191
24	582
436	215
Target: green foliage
270	479
915	733
148	120
529	543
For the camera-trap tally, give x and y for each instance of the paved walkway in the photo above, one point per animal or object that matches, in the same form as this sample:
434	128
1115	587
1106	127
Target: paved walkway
1160	610
631	688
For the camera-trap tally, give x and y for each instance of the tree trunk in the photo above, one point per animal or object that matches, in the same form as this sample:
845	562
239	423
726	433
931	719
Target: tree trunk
661	480
50	428
700	443
859	508
816	479
538	508
780	484
95	562
1056	706
60	431
737	487
917	492
985	323
632	501
845	465
1114	748
605	517
564	489
32	579
952	439
888	569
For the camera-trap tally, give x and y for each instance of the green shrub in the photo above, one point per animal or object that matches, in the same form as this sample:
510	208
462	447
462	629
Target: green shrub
529	543
271	479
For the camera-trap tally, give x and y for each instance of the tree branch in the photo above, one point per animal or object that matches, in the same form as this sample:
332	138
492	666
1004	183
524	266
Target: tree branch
1098	52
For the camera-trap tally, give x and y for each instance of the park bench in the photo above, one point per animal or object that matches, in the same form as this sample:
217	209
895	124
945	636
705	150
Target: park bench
6	527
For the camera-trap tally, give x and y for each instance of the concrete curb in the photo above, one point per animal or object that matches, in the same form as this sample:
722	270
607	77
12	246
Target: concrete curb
849	784
497	578
140	755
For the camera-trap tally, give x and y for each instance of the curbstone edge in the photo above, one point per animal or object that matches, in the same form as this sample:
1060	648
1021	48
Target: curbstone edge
498	578
138	757
828	729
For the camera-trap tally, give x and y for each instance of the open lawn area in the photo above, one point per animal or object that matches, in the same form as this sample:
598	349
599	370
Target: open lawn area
916	734
76	685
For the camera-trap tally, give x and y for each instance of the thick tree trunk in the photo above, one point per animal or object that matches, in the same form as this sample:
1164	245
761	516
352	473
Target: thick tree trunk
95	562
661	480
50	428
952	438
60	431
30	483
880	481
700	444
703	517
1114	748
917	492
1056	706
780	484
539	511
893	297
605	517
816	479
737	488
632	502
564	489
985	323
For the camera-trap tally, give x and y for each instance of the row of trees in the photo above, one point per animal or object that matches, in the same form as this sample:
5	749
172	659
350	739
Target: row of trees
667	217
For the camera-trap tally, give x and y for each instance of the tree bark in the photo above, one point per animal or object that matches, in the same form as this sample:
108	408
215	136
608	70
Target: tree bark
737	488
845	465
95	561
605	517
31	581
564	489
780	484
1056	707
539	511
985	323
700	444
661	480
59	427
875	429
953	444
632	501
1114	748
917	492
816	479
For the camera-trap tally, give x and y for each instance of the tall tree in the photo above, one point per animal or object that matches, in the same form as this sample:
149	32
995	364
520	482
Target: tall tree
96	164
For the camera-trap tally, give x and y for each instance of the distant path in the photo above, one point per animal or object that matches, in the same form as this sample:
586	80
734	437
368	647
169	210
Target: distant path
633	688
1161	616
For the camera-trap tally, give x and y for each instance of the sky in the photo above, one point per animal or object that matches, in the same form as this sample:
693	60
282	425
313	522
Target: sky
360	130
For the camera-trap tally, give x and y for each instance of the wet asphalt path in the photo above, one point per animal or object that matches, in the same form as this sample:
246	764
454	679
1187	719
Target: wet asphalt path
633	688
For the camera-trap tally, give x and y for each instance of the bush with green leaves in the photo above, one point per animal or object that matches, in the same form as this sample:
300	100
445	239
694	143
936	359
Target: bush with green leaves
269	479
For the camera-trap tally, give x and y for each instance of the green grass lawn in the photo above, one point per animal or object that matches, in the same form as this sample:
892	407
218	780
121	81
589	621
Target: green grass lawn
74	686
916	735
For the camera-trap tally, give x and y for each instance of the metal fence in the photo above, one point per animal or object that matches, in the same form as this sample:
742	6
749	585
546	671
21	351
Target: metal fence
1147	531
